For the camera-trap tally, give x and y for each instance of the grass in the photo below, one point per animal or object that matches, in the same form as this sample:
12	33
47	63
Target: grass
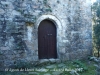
88	68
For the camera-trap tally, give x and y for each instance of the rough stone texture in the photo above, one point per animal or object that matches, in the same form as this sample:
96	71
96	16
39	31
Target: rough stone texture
57	73
51	66
61	65
97	64
19	21
47	74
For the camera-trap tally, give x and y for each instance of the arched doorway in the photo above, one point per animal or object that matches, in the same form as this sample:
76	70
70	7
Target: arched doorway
47	40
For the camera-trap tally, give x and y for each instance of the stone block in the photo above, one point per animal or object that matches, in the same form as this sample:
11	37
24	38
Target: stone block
72	56
62	44
58	60
8	63
5	2
62	51
14	12
2	11
52	60
57	73
4	48
85	52
2	65
2	57
32	58
43	61
68	49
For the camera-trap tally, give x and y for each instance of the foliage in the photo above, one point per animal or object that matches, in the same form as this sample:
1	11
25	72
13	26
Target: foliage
48	9
47	6
80	65
45	2
13	73
96	26
69	65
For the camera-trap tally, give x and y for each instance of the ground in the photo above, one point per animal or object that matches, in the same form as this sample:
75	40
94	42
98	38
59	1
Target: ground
76	67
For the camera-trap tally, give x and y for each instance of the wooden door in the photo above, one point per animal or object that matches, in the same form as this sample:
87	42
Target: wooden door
47	40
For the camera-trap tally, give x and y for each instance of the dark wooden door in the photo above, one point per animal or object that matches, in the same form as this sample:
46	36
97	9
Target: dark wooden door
47	40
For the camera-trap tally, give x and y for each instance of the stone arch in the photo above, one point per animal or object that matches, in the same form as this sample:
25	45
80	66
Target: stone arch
54	19
58	25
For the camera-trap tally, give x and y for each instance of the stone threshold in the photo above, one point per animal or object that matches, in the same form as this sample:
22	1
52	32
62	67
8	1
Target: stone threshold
49	60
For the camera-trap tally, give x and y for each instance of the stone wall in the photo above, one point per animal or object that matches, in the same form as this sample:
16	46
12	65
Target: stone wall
19	21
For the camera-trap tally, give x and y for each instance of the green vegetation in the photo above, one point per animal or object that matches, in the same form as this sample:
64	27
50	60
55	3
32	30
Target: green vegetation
96	27
45	2
48	9
86	68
